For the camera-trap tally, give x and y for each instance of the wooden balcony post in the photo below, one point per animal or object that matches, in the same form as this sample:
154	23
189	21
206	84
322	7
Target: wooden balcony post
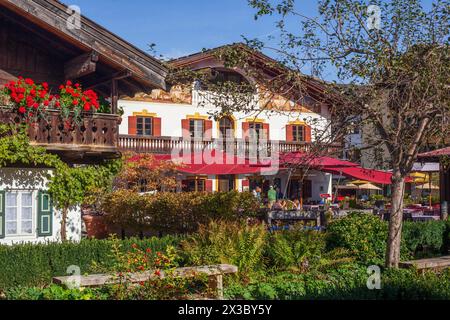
114	96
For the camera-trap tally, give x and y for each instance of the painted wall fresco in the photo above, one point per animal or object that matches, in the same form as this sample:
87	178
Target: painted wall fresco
177	94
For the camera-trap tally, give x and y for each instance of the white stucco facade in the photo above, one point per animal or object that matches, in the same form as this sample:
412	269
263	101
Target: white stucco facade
29	181
172	114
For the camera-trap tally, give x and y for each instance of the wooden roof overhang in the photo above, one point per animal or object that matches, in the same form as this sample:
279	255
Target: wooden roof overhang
114	58
315	88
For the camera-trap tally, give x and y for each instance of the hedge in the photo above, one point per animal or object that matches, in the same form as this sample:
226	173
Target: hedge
344	284
365	235
175	213
36	264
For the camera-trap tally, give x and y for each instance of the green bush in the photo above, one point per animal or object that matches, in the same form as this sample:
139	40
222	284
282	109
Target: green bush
53	292
344	283
234	243
36	264
424	236
295	250
301	251
364	235
175	213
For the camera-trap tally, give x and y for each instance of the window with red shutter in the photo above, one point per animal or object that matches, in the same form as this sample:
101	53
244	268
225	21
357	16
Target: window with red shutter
289	137
208	129
157	127
245	129
132	125
307	134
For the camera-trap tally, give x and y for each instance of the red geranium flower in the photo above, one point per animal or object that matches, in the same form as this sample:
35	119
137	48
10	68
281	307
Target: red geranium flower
22	110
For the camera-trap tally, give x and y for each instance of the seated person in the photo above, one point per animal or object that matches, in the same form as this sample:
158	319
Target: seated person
278	205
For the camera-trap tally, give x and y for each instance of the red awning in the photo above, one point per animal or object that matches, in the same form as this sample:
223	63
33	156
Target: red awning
371	175
217	162
435	153
302	158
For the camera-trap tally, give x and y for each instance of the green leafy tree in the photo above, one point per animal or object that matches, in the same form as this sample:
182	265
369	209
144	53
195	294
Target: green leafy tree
394	58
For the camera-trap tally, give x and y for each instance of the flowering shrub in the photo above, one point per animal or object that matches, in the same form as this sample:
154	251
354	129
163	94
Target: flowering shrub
28	99
158	268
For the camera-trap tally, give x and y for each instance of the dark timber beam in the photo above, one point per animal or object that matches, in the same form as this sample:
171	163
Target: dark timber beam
52	15
81	65
117	76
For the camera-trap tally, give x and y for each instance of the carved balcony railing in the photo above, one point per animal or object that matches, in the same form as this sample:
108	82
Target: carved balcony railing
166	145
94	138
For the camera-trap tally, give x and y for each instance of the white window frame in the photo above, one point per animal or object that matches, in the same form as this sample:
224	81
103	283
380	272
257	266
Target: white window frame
198	128
19	233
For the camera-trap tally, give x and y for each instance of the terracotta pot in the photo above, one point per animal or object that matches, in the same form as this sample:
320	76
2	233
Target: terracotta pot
95	226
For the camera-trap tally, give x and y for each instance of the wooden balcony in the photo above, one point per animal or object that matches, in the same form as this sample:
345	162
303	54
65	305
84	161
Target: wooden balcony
165	145
90	141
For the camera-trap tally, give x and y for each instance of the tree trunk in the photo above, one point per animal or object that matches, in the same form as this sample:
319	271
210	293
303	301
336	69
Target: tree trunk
395	221
64	224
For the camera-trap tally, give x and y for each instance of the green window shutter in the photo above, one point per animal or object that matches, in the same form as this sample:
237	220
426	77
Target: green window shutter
45	214
2	214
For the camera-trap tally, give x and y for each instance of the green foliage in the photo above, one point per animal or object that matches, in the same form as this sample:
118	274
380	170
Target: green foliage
170	212
363	234
16	149
53	292
36	264
428	235
343	284
234	243
69	186
302	251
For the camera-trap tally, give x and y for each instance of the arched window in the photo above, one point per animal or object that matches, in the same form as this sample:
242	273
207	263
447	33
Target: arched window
226	127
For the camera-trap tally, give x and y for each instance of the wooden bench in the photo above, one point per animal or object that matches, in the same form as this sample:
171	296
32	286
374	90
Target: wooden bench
437	263
214	272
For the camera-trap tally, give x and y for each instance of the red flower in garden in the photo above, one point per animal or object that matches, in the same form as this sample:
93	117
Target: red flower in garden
46	103
75	102
87	106
35	105
22	110
29	81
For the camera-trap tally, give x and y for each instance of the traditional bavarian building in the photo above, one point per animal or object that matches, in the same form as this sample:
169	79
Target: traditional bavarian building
160	122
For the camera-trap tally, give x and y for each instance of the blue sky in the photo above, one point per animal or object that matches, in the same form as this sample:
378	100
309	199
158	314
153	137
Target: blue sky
180	27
